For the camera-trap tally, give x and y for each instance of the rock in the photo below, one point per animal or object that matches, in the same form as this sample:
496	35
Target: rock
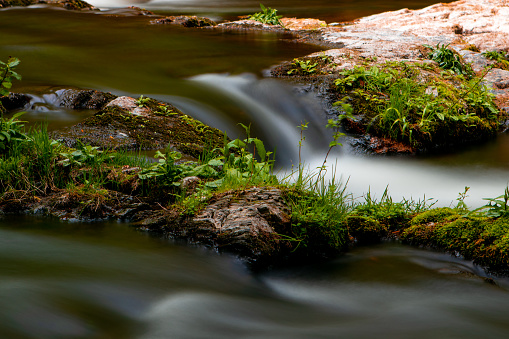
129	104
190	184
397	34
83	99
15	101
134	124
248	24
400	37
294	24
247	223
67	4
186	21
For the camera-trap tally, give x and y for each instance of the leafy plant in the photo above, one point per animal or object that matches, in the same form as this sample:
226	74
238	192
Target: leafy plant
502	60
165	169
267	16
496	207
84	155
7	75
142	102
240	166
461	206
305	67
11	130
447	59
495	55
394	100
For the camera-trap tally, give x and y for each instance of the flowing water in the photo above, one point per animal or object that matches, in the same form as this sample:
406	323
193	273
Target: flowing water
106	280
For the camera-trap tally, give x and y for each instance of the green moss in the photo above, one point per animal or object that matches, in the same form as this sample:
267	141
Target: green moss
435	215
481	239
472	48
365	229
165	125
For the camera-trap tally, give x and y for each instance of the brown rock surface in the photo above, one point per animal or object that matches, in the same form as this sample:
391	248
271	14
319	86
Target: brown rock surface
247	223
398	34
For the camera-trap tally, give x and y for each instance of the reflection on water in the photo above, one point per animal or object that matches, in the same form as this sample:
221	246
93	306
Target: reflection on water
329	10
65	280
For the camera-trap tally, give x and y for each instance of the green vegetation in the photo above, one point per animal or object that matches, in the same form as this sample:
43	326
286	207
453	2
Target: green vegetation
502	60
419	104
305	67
480	238
319	210
447	59
267	16
324	218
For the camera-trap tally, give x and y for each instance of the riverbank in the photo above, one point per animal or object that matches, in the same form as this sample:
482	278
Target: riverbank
87	202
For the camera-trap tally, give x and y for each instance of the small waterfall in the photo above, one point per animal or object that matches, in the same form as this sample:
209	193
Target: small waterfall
268	106
274	112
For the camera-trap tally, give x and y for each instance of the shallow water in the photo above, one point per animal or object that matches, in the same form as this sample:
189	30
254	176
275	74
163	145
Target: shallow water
105	280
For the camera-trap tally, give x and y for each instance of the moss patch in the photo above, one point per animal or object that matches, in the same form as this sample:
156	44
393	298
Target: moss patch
481	239
117	128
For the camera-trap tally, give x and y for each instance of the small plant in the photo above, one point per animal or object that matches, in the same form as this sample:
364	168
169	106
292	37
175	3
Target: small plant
494	55
164	111
461	206
165	169
84	155
305	67
267	16
142	102
394	100
240	166
447	59
11	131
497	207
7	75
502	60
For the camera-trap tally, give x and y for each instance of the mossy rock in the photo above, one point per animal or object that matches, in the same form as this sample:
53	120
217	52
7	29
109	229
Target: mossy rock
435	215
68	4
160	125
419	104
366	230
186	21
481	239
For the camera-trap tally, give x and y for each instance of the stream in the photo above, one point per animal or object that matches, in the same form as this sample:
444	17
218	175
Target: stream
107	280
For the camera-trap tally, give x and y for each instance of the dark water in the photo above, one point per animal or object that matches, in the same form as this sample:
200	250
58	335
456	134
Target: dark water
105	280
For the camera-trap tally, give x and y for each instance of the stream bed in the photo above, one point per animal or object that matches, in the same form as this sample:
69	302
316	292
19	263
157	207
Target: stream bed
106	280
